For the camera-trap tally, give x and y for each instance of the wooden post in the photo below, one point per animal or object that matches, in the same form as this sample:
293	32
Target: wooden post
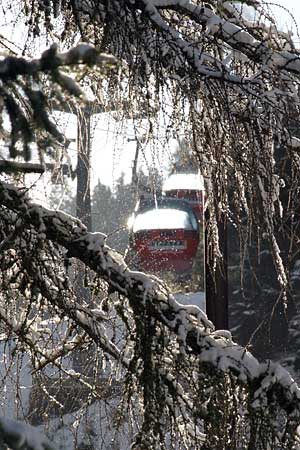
216	282
83	196
82	359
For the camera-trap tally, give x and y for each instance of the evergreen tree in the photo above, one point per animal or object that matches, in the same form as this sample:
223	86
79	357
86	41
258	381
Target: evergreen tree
103	209
61	197
257	316
125	199
184	159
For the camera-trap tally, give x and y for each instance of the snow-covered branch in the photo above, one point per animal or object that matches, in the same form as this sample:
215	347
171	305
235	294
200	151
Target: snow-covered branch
19	435
230	33
11	67
28	104
193	330
232	84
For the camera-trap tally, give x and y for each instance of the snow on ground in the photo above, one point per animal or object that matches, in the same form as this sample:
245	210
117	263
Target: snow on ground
99	426
74	430
192	298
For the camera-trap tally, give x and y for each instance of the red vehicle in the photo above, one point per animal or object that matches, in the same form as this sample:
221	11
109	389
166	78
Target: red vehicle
187	186
165	236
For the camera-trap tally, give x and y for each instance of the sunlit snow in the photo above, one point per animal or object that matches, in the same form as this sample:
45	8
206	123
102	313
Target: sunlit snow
191	181
163	219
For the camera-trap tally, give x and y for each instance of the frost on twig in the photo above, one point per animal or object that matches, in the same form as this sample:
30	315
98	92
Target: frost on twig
27	103
232	85
171	355
230	78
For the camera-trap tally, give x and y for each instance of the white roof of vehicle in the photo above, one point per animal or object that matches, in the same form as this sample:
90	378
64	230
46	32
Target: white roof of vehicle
191	181
164	219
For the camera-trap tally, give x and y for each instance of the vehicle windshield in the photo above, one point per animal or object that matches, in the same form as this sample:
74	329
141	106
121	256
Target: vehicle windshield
164	219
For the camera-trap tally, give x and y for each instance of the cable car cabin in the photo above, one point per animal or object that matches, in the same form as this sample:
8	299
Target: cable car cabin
165	236
187	186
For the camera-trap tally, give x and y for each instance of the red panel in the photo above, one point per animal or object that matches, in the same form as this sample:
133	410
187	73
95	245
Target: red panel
195	198
166	250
